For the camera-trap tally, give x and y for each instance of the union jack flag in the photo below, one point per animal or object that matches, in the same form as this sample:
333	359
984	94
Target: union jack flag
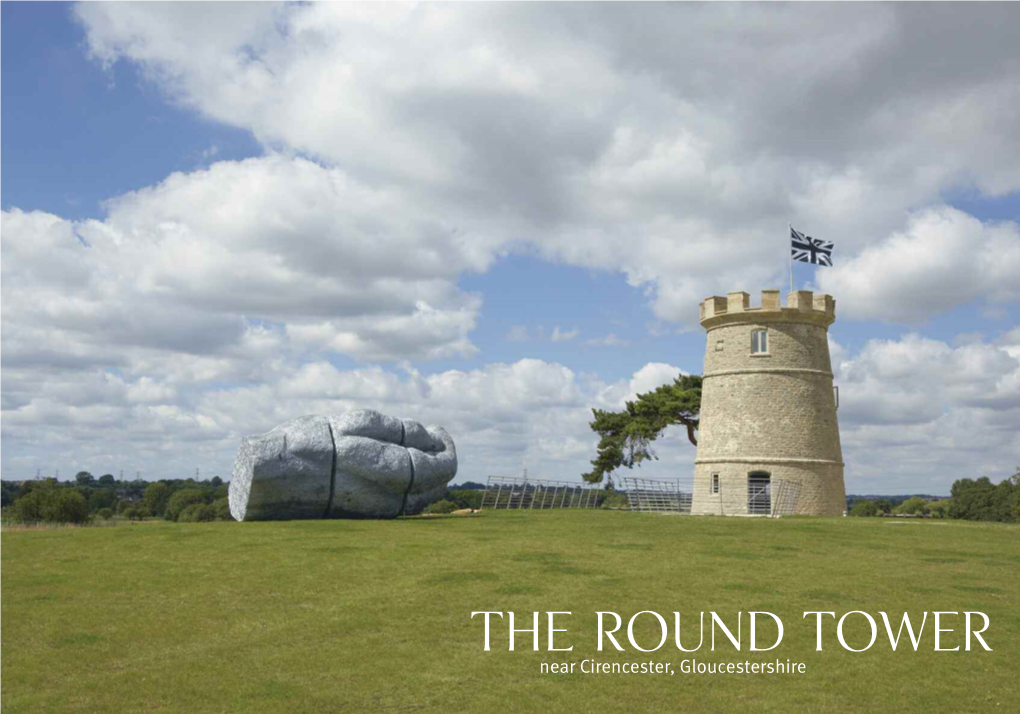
810	250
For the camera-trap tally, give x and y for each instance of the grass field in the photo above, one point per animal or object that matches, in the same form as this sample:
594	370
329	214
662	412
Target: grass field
367	616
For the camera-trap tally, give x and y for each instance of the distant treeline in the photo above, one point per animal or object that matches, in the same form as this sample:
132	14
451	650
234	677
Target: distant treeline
970	499
87	498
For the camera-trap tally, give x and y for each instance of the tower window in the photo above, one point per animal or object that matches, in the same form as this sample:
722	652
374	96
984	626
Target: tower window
759	342
715	483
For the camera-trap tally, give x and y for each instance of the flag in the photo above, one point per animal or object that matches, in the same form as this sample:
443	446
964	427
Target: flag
810	250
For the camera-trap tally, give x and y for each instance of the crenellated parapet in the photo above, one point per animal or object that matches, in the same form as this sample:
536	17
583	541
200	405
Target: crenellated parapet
802	306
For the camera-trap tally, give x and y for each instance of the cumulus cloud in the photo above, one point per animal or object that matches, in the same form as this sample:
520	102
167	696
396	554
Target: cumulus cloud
671	143
409	145
918	411
213	280
187	265
505	417
651	376
943	258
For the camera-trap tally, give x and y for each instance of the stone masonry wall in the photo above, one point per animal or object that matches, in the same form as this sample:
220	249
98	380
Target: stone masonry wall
821	487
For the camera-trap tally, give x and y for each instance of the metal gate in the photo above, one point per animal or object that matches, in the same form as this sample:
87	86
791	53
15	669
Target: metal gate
785	496
759	494
657	495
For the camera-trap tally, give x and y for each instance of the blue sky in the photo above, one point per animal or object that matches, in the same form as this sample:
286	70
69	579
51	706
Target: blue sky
603	211
78	135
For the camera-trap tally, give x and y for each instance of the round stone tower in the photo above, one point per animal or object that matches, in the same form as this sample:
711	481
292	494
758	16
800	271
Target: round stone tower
768	440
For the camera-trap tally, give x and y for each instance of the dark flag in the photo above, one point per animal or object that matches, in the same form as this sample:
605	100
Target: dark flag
810	250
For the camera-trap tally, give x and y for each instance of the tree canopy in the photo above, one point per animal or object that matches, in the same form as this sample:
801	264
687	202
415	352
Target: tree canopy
48	503
626	436
981	500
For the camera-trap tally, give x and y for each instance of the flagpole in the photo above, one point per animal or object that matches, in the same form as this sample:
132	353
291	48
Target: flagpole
788	237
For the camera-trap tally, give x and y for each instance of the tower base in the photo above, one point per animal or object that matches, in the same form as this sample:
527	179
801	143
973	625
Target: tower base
741	487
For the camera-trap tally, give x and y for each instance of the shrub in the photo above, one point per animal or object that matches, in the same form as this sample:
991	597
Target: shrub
939	509
443	506
197	513
864	509
137	512
466	498
105	513
181	500
222	509
913	505
49	503
615	499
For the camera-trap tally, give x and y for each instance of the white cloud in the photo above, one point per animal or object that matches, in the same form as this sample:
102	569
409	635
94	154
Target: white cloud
523	333
504	417
116	331
610	340
652	376
559	335
670	143
408	145
189	264
943	258
916	413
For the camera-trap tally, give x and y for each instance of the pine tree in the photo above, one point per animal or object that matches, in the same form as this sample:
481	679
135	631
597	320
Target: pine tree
626	436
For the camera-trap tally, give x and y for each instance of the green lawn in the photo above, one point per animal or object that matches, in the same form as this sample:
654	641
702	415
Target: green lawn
373	616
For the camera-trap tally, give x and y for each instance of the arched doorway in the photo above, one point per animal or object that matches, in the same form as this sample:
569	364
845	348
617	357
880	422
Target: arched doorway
759	493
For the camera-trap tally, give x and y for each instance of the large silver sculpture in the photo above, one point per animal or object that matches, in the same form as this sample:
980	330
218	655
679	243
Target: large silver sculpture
361	464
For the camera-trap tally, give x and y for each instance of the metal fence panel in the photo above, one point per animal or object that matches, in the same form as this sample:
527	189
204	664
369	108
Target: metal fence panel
773	497
507	492
657	495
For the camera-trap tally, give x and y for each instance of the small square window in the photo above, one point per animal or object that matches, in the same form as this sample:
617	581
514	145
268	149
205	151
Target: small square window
759	342
719	345
715	483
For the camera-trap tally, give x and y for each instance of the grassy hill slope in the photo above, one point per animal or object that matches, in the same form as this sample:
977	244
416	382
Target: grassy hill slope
366	616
